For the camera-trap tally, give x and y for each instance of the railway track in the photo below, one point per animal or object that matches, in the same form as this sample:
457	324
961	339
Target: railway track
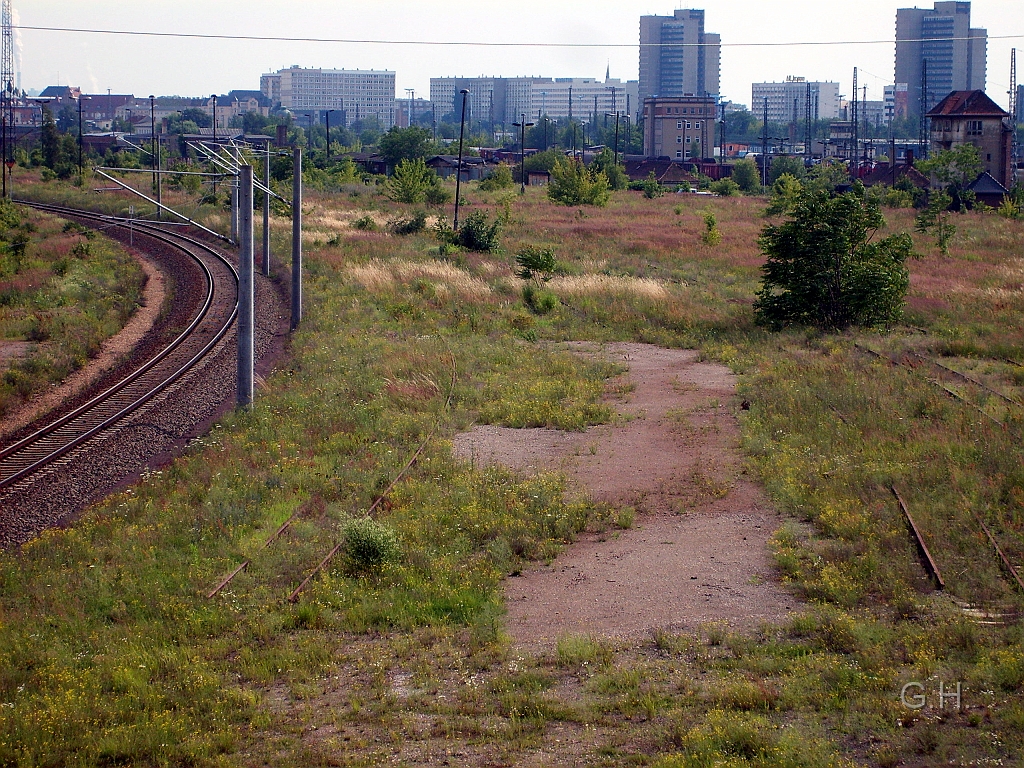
22	460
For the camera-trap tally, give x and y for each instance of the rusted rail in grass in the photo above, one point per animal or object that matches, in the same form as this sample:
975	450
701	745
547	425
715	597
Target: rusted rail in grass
999	551
384	494
939	384
277	534
926	556
970	379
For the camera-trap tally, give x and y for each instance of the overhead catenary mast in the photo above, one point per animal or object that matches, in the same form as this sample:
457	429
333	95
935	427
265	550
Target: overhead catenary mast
7	82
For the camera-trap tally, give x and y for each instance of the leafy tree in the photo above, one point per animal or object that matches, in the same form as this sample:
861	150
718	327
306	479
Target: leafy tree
542	161
712	235
745	173
398	144
955	168
410	182
605	162
935	217
197	116
822	268
572	183
826	177
786	193
50	140
535	263
783	165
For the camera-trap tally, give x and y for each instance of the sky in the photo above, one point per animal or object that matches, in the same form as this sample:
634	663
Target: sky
582	39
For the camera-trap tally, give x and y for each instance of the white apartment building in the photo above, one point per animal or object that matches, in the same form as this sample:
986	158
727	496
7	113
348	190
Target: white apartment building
355	94
506	99
787	101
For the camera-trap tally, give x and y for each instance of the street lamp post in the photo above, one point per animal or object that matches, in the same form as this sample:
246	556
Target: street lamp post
215	118
615	149
522	125
328	117
81	166
458	170
155	145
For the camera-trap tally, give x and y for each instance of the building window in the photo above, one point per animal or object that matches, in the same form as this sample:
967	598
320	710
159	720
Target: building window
974	127
687	139
679	125
697	125
687	125
679	153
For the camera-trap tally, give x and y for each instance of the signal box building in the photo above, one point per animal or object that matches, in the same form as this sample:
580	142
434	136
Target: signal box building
971	117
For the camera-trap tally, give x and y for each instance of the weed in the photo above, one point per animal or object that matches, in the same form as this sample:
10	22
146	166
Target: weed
584	652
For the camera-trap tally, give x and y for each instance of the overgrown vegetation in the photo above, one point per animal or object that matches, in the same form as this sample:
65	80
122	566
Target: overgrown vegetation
109	654
63	291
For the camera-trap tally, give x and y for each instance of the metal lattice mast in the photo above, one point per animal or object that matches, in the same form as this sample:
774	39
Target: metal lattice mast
922	119
7	82
1014	109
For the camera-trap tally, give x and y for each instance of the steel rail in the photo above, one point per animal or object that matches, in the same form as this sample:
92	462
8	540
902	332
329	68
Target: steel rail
110	394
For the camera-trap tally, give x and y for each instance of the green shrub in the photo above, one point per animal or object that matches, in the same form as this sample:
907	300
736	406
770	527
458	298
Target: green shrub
725	187
410	182
365	224
499	178
370	545
437	195
417	222
572	183
535	262
539	301
477	233
651	187
712	235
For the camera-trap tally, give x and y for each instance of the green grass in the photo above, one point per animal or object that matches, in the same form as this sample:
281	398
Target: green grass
110	653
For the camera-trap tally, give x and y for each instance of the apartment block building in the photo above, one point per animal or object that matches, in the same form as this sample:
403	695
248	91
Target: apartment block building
503	100
787	101
677	56
355	94
939	45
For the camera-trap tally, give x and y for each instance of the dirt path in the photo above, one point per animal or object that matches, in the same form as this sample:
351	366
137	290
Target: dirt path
697	552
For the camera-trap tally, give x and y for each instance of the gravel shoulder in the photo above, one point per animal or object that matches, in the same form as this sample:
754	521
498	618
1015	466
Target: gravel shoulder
697	552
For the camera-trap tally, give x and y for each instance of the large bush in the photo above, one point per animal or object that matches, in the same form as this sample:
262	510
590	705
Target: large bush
572	183
411	182
370	545
823	268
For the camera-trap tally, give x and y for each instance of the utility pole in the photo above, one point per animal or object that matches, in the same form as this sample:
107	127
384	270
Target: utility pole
245	288
764	146
296	238
808	139
7	98
522	125
458	169
922	121
266	208
855	162
155	149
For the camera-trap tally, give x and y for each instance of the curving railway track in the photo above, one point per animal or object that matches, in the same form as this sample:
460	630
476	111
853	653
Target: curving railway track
172	386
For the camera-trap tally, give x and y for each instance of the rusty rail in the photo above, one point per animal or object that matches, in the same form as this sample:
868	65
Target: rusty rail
929	561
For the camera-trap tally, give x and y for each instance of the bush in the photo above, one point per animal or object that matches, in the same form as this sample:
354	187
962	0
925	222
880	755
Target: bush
410	182
365	224
712	235
499	178
437	195
539	301
822	268
725	187
746	173
370	545
535	263
651	187
408	226
572	183
477	233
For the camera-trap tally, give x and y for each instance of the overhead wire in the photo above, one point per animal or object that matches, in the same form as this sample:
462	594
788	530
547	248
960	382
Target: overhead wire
480	43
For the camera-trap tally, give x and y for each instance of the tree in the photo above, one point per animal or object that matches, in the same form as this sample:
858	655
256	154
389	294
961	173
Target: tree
410	182
785	164
822	268
746	174
572	183
955	168
50	139
398	144
935	217
197	116
605	162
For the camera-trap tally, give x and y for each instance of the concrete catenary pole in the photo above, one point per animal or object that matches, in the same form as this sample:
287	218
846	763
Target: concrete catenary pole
296	238
245	287
234	209
266	211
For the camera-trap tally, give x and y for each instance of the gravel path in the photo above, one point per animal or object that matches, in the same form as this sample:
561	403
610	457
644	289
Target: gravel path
697	552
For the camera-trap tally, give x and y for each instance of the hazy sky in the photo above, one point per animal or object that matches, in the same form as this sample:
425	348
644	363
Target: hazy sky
164	66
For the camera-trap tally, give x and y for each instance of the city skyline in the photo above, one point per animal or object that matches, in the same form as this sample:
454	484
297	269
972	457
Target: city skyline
188	66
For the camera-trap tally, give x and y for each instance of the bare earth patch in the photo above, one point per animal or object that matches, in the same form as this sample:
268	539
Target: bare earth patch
698	551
